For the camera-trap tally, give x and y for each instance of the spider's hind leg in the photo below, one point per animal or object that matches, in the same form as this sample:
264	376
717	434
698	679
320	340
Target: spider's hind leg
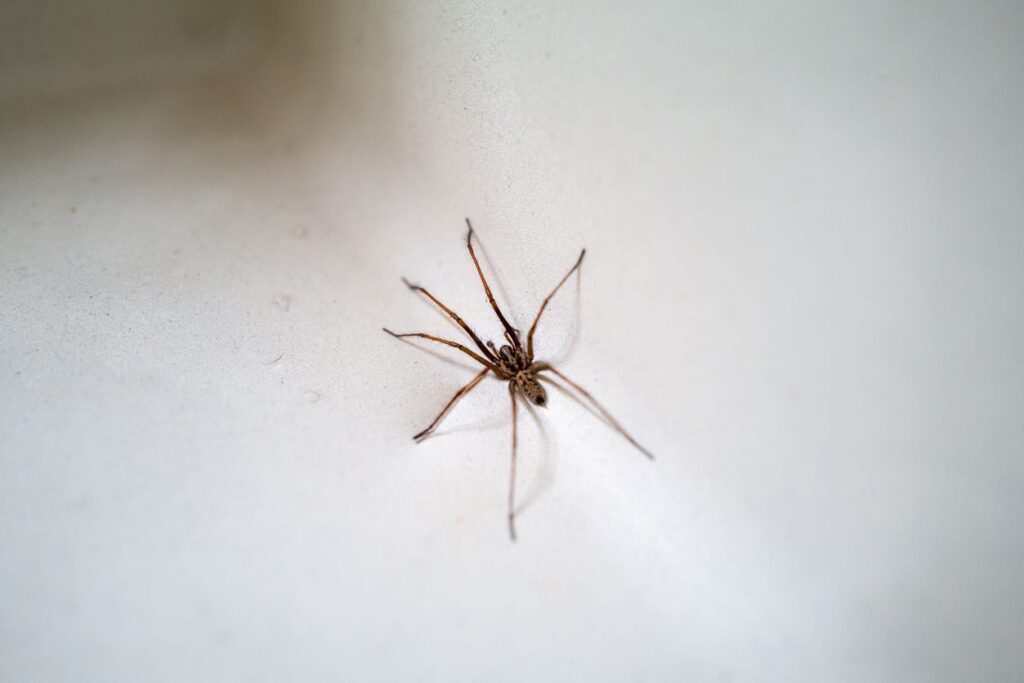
612	422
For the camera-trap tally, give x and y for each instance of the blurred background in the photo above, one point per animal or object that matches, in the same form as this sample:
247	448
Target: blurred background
803	292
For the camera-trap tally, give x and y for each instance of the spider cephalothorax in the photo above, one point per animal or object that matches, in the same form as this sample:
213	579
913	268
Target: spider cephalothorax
511	363
510	360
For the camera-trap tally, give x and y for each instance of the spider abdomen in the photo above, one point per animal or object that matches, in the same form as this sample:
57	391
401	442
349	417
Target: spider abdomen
531	388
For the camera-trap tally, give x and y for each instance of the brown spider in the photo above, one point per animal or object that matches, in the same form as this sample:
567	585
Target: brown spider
511	363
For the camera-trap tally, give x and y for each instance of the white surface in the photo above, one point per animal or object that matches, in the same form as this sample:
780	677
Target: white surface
802	292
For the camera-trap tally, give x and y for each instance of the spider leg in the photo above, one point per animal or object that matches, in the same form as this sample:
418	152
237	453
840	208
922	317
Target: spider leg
612	422
509	330
458	394
456	345
533	327
454	316
512	478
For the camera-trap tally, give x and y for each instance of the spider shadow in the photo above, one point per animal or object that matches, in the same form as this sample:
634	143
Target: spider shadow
544	476
485	424
447	359
571	342
579	401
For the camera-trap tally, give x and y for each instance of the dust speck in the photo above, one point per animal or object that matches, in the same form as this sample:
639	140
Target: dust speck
283	301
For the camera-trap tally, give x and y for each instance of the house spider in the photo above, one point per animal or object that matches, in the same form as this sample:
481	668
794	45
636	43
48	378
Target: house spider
511	363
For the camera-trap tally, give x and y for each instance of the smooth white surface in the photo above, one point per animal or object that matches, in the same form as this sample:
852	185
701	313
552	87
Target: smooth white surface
802	292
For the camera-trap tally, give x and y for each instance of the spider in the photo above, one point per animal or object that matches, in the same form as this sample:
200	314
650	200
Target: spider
512	363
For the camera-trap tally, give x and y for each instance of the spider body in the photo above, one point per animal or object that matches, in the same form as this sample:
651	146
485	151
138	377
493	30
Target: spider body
512	363
517	367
